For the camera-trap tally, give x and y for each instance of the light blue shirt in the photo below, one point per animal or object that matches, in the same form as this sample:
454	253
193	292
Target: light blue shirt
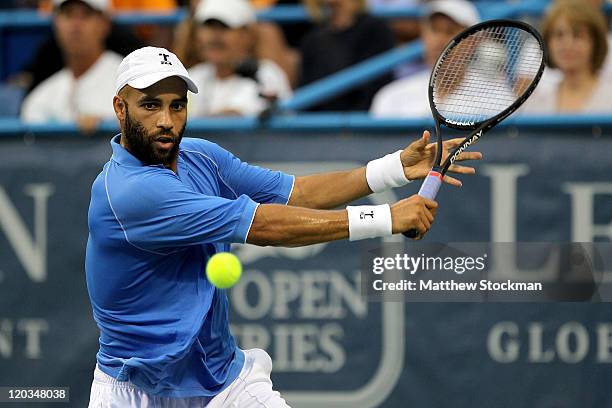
163	326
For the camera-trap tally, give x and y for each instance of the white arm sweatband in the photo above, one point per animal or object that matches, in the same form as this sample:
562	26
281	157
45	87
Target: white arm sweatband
386	172
369	221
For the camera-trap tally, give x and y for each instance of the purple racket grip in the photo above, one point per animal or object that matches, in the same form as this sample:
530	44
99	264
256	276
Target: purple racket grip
431	185
429	189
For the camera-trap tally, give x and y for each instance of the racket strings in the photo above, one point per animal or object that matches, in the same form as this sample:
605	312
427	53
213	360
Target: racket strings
485	73
475	86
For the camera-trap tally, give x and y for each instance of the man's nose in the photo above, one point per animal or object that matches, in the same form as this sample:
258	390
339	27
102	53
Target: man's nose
165	119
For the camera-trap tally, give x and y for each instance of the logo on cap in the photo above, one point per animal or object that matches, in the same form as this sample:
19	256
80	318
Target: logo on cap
165	57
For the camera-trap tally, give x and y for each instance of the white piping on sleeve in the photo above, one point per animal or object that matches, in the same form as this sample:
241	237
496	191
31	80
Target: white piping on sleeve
291	191
251	223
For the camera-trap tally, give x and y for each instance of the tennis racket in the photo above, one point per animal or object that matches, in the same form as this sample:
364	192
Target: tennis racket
484	74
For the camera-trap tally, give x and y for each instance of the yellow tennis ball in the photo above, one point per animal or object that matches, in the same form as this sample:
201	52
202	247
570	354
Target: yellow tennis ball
223	270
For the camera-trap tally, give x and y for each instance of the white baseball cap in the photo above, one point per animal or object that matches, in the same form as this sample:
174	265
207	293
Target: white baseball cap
460	11
232	13
149	65
100	5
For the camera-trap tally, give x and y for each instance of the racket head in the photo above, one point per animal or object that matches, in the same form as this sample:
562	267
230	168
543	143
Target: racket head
485	73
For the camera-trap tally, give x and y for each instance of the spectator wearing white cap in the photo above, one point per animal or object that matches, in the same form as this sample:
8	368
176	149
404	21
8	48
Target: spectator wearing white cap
232	81
80	92
407	97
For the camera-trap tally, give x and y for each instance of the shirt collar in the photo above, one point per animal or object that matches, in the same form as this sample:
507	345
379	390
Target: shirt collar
121	155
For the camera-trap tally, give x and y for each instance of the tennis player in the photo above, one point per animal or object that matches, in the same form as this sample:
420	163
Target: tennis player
164	204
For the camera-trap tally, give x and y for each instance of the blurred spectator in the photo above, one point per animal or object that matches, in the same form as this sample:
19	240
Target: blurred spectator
407	97
185	39
345	36
48	58
552	75
294	32
157	35
271	45
269	42
576	38
232	81
405	29
81	92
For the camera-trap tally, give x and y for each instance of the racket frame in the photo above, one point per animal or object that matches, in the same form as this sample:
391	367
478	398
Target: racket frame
435	177
479	128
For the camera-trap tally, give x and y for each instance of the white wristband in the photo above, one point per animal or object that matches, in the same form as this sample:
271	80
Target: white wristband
386	172
369	221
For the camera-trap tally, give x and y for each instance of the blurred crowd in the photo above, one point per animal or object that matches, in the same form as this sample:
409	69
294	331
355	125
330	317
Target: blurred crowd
244	66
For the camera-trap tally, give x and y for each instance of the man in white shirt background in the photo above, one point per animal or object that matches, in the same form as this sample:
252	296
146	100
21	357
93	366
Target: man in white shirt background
79	92
231	81
407	97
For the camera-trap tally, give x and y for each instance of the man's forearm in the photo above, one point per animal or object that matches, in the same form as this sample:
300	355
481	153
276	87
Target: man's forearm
289	226
279	225
329	190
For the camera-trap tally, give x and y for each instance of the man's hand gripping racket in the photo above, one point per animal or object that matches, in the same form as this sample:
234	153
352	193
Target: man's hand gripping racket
484	74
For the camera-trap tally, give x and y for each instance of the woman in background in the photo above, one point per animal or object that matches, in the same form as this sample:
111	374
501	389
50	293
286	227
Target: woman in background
576	38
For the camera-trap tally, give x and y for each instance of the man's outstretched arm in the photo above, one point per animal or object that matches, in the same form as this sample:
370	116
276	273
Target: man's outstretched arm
330	190
280	225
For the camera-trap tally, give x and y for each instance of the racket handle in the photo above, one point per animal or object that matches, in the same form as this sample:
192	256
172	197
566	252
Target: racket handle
429	189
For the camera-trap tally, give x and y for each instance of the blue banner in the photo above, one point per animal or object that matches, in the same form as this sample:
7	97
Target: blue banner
330	346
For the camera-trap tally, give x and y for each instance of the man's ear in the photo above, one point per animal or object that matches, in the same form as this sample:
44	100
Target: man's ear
120	107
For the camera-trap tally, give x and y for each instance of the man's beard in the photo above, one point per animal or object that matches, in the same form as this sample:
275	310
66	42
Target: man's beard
142	145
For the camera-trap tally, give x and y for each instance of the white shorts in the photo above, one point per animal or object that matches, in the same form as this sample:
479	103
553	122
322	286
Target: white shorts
252	389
